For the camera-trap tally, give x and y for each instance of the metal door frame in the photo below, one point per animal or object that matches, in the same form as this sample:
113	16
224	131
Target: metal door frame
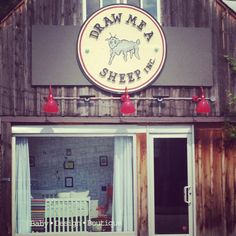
171	131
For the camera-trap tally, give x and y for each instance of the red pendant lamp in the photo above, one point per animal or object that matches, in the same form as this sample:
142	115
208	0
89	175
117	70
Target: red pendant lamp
50	106
203	106
127	106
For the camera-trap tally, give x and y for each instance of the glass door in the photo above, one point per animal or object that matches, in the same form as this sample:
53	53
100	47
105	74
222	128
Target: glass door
172	190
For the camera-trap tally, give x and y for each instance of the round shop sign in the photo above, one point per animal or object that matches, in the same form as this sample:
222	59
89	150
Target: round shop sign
121	46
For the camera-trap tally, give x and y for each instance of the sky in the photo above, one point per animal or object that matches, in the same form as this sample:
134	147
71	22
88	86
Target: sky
231	4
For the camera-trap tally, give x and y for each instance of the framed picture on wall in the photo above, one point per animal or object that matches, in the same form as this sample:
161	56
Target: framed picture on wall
68	152
69	182
103	161
69	165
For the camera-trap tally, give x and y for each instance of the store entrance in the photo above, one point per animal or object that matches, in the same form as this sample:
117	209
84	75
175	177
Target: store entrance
172	186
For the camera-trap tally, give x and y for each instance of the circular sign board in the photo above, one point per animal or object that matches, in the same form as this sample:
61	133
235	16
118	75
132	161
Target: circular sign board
121	46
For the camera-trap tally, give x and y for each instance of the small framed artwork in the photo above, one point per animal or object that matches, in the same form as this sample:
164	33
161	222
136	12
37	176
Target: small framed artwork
103	161
69	165
32	161
69	182
68	152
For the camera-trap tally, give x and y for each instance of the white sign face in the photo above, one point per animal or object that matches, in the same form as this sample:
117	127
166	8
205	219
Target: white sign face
121	46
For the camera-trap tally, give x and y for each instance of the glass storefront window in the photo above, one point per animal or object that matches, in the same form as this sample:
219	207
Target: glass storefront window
74	184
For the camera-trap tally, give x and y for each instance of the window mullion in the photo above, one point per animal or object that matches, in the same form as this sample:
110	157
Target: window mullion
84	10
141	4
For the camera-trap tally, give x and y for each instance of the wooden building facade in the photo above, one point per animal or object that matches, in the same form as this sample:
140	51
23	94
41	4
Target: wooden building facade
214	152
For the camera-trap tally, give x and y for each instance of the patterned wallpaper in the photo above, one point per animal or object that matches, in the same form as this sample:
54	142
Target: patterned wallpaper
81	155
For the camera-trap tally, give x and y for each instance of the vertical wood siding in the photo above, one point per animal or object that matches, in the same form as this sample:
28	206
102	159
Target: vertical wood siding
142	185
19	98
215	160
5	180
224	28
215	157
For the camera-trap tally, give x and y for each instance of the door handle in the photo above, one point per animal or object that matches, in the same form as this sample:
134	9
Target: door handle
187	193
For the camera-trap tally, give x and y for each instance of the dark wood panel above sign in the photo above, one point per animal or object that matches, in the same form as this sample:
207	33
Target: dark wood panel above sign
189	57
54	61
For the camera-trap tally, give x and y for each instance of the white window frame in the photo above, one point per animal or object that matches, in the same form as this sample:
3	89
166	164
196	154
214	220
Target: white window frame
75	131
158	3
108	130
172	131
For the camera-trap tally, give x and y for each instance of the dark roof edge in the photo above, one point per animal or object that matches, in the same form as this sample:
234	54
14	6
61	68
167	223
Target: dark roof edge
11	11
220	2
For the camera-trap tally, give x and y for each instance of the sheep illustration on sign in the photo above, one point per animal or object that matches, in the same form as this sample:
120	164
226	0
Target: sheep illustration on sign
123	46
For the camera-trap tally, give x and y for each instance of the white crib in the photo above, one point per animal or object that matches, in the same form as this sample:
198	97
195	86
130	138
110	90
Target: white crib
67	214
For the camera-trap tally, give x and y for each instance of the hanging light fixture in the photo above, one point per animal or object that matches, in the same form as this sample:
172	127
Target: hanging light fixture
50	106
203	106
127	106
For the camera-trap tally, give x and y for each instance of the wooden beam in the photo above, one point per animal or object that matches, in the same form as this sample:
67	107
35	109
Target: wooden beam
110	120
142	208
5	180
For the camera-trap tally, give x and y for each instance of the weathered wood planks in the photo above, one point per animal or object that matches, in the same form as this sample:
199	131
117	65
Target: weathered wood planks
20	98
215	180
5	179
142	208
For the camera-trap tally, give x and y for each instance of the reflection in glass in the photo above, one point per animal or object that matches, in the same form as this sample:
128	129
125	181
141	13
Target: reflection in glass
108	2
134	2
170	178
92	6
150	6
